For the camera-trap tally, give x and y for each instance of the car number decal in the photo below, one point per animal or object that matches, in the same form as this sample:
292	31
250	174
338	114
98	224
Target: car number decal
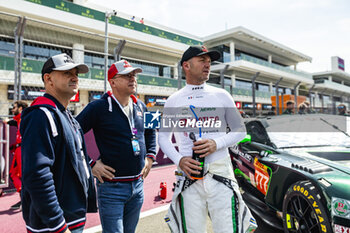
261	176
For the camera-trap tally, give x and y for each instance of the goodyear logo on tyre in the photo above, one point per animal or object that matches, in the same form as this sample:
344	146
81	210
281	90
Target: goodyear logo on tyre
315	205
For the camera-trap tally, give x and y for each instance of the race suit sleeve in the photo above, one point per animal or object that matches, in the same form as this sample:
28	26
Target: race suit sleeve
234	122
38	156
164	139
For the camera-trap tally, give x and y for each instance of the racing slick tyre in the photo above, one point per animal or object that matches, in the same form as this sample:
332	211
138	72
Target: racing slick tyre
303	211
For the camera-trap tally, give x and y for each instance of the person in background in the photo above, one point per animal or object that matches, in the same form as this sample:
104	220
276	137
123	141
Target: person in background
290	107
133	18
302	109
15	169
127	149
142	21
342	110
57	185
308	107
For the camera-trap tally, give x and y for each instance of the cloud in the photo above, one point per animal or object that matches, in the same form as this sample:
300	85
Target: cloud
310	4
343	24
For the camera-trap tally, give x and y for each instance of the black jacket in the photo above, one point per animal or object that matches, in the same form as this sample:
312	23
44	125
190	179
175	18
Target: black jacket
113	135
56	190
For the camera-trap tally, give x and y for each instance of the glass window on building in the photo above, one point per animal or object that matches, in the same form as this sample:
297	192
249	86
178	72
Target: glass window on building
280	90
227	81
147	68
262	87
42	52
227	57
243	84
337	99
87	59
7	47
153	69
97	61
110	61
167	72
27	92
326	98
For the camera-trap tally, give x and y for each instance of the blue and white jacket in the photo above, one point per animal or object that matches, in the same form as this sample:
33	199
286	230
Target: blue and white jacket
57	184
113	135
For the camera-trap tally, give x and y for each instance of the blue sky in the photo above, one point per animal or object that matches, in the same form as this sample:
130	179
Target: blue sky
317	28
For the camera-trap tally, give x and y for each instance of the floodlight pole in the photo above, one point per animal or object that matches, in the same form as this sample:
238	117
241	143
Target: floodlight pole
322	103
222	76
18	33
334	111
118	50
107	16
179	76
310	94
253	91
296	97
277	97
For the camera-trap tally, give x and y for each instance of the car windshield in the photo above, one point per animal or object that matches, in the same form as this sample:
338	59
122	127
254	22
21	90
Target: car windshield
308	131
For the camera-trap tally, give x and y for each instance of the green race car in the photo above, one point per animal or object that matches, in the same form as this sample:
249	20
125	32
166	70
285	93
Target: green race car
295	172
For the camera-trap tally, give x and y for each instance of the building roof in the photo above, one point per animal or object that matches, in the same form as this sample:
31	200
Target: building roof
257	44
339	74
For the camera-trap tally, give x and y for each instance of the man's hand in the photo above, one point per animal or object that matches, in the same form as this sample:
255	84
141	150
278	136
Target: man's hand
204	147
101	170
189	166
67	231
146	169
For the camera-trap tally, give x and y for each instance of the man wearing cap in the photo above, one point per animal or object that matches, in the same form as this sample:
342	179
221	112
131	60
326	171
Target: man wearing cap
127	150
57	184
290	107
217	192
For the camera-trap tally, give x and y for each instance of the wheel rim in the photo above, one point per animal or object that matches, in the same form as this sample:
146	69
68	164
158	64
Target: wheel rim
300	216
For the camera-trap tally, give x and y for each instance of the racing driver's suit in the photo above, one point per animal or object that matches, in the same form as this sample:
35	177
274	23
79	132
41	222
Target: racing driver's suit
217	193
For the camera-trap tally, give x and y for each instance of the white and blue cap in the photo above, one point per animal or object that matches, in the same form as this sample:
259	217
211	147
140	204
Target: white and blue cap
62	62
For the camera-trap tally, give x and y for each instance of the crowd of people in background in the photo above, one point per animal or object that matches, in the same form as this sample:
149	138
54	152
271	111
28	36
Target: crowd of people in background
142	21
303	108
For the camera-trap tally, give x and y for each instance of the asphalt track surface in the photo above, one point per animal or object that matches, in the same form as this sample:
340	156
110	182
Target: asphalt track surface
152	215
156	224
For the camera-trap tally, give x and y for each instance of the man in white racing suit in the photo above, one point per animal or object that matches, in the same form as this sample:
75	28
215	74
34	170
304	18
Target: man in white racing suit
217	193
